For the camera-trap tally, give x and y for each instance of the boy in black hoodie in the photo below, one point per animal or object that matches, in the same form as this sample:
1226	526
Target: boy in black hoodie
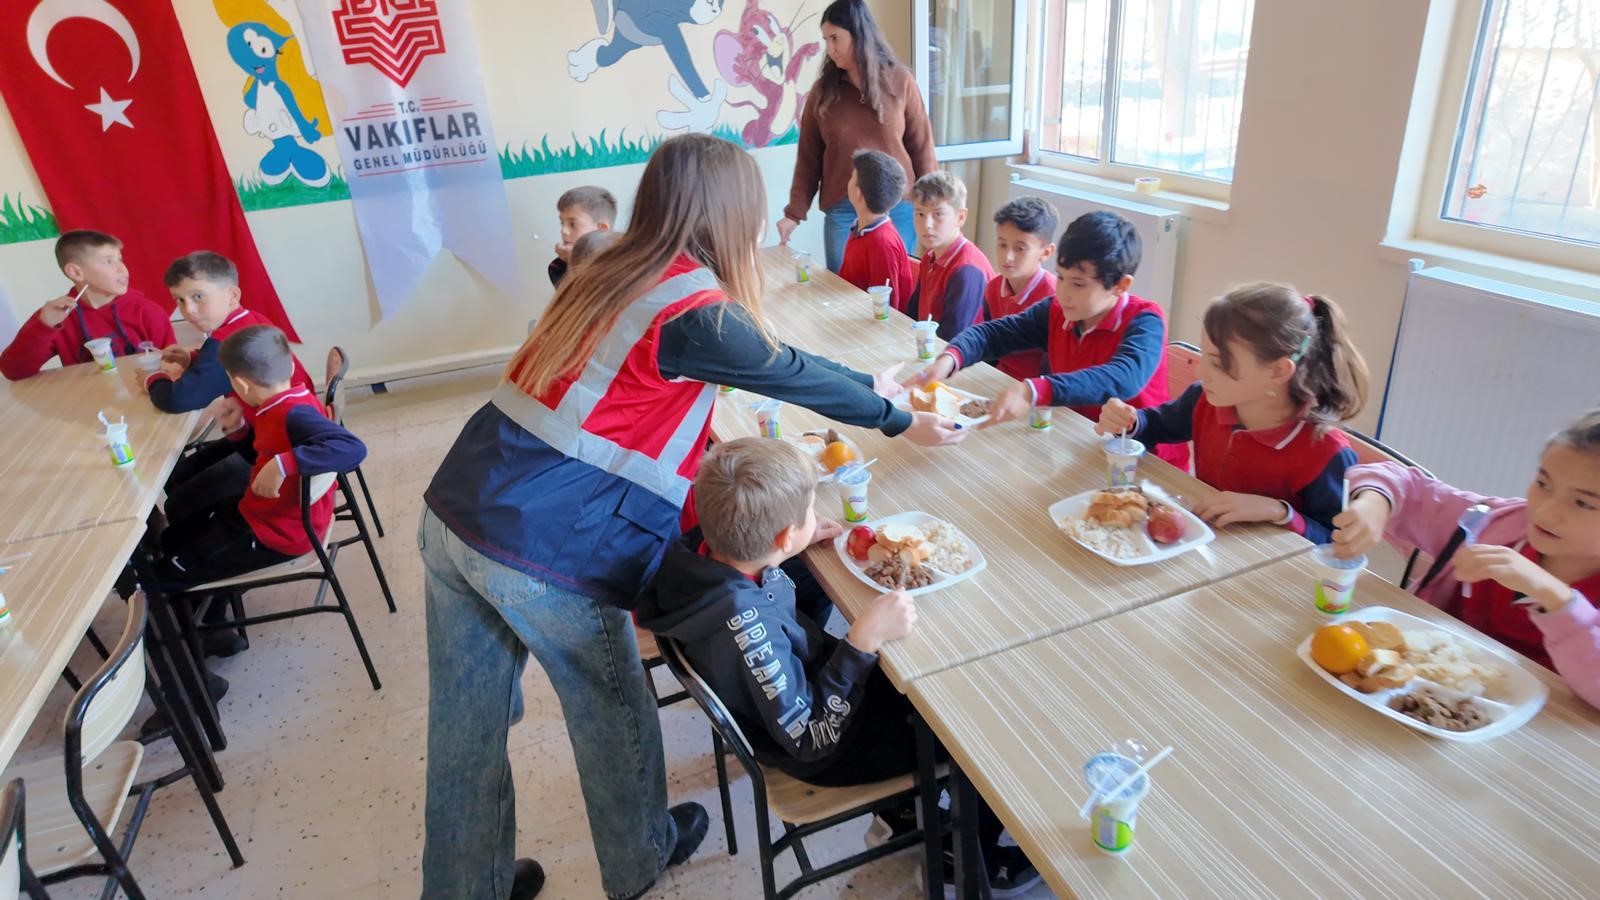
749	618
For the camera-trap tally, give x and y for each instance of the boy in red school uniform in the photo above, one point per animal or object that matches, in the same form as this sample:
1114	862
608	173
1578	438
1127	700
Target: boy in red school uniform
1025	244
100	304
583	210
1100	341
875	254
954	272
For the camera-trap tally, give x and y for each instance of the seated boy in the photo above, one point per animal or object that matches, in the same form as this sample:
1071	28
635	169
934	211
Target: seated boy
813	706
582	210
954	272
1025	242
1099	340
288	437
874	254
100	304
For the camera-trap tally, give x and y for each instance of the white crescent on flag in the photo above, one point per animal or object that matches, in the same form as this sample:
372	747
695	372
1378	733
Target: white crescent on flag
50	13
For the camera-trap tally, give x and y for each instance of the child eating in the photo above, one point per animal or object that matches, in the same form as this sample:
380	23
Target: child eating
1533	569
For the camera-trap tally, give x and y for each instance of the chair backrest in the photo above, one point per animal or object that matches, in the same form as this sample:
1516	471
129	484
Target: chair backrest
707	699
109	697
11	840
338	367
1372	450
1183	367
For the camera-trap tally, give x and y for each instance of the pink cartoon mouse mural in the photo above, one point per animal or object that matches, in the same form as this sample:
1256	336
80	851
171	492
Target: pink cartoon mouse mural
762	55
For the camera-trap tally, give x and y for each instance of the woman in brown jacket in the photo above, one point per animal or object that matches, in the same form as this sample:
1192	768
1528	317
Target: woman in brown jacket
865	99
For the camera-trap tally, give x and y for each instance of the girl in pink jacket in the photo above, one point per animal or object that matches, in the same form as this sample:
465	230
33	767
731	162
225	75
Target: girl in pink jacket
1536	563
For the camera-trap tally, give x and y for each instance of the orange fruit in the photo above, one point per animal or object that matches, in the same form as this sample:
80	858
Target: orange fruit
835	455
932	386
1338	648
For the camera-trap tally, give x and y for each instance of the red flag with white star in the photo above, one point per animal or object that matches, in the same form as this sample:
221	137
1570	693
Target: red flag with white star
106	102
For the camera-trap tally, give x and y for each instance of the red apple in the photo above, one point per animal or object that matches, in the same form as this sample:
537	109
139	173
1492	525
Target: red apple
1165	525
860	541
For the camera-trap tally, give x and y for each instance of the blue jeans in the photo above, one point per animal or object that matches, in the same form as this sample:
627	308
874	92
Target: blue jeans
483	619
838	219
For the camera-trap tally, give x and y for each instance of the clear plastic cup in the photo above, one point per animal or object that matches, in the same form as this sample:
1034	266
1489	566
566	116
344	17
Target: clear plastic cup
149	357
1040	419
1113	819
768	413
852	484
1336	579
100	349
1122	461
880	294
802	266
116	436
926	335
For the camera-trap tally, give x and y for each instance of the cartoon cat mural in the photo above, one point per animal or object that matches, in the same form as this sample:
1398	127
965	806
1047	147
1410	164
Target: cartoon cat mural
283	102
762	55
628	25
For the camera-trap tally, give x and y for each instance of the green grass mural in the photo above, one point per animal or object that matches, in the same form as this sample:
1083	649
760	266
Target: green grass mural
24	222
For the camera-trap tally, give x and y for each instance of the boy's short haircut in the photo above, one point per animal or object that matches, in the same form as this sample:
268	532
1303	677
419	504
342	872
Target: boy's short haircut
587	246
881	178
599	203
941	186
748	490
205	265
1030	215
1106	240
259	353
73	246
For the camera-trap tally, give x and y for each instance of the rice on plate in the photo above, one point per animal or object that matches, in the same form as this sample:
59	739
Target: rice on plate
1121	543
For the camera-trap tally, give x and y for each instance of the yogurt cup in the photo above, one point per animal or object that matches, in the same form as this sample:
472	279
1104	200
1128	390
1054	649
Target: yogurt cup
1113	819
1336	579
926	335
767	418
802	266
100	349
852	484
880	295
116	437
1040	418
1122	461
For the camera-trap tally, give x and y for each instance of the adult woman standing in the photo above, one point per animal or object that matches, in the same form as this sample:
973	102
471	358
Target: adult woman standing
554	505
865	99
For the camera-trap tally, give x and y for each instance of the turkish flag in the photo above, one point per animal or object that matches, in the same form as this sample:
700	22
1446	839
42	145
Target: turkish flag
109	110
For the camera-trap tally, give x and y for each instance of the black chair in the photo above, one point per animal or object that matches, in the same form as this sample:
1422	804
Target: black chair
317	565
16	878
650	656
79	800
338	367
803	809
1372	450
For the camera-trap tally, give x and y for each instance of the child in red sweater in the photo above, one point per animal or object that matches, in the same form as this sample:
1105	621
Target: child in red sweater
875	254
100	304
1024	249
954	272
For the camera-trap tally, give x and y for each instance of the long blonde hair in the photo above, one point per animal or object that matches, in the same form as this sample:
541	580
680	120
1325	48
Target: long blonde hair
700	196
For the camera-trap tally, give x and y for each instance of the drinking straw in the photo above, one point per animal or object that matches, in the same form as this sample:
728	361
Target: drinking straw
1149	764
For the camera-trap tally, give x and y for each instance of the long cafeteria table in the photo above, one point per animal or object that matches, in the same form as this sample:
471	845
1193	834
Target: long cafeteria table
1279	786
825	315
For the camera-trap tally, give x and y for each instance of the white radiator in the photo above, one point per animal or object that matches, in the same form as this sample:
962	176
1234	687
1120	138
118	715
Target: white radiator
1158	231
1483	373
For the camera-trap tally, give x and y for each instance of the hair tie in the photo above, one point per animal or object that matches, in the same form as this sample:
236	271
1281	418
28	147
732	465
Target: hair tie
1311	302
1305	344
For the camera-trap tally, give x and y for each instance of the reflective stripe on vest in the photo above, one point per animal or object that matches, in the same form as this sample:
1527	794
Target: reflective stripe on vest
562	427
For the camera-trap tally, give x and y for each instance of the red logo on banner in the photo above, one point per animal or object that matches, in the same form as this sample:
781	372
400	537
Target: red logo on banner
394	36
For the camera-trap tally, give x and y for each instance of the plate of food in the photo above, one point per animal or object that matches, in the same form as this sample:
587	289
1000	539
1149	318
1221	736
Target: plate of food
1440	680
831	450
1130	526
909	550
937	397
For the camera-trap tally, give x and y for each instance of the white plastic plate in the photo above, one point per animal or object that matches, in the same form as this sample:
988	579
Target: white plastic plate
941	579
903	401
1509	705
1196	533
823	475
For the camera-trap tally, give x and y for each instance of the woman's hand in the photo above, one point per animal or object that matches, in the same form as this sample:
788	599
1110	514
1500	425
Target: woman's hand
1360	527
786	227
933	430
1014	402
886	385
942	367
1228	508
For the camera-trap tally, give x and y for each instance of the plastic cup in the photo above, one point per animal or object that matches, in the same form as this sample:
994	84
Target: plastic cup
1336	579
880	294
1122	461
100	349
767	418
802	266
149	357
1113	820
926	335
1040	419
116	436
853	491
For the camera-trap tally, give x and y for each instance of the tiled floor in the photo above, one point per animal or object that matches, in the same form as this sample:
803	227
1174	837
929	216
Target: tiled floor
325	776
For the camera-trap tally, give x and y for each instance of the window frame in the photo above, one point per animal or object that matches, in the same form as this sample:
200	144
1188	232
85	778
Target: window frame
922	67
1105	169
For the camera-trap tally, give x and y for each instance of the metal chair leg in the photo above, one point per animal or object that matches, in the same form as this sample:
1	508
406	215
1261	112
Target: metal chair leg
191	765
371	507
722	788
95	642
366	540
355	630
769	883
71	680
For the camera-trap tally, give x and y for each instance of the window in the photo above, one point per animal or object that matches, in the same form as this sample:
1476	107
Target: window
969	67
1524	157
1134	85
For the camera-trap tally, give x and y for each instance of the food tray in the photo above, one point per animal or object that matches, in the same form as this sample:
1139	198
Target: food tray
1509	707
823	475
903	401
1196	533
921	519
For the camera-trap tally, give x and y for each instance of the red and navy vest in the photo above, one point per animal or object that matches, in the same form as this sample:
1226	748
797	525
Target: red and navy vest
1000	301
1493	610
933	276
276	520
